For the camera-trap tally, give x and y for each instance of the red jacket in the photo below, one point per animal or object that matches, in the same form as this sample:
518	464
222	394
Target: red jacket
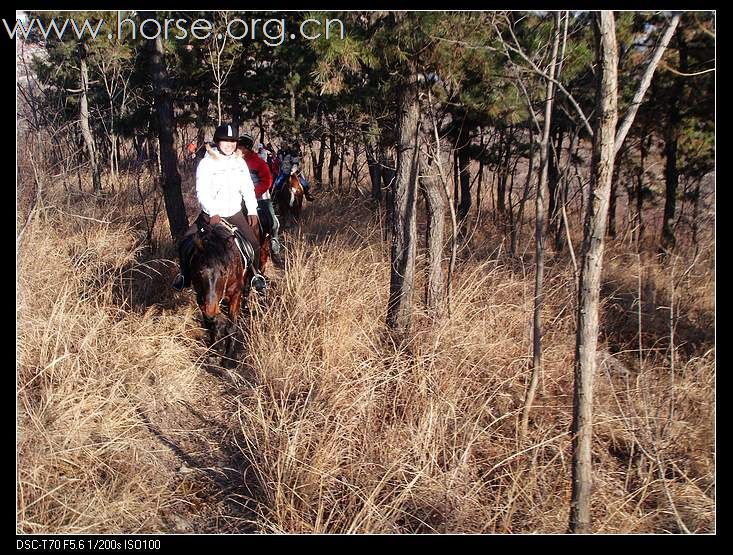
260	171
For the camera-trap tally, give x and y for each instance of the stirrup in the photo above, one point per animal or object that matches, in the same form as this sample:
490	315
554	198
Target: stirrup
259	283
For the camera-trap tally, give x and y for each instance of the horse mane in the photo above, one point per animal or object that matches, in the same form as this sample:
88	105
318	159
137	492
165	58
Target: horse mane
214	243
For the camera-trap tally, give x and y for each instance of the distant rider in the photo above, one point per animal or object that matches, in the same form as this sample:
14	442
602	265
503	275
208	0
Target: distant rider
262	179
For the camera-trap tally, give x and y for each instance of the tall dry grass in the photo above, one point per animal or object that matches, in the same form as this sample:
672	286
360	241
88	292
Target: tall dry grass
323	425
89	366
345	432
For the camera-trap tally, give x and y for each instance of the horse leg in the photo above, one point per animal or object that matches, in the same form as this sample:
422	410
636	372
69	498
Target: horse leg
229	345
215	327
235	301
297	209
245	291
210	325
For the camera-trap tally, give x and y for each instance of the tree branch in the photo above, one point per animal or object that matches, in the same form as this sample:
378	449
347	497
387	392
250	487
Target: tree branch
644	83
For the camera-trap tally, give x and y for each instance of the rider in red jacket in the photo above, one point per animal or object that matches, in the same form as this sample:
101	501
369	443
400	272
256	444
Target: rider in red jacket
262	179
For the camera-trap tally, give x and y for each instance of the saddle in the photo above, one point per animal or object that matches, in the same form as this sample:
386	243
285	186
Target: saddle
245	247
248	255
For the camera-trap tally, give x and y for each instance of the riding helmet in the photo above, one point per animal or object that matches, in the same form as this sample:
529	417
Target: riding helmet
246	141
226	132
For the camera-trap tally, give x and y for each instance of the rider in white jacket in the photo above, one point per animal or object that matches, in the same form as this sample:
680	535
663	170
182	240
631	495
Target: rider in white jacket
223	182
223	185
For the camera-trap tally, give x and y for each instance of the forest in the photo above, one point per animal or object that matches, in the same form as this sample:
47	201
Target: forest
496	315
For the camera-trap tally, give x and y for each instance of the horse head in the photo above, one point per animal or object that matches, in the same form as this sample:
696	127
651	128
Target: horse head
216	269
290	199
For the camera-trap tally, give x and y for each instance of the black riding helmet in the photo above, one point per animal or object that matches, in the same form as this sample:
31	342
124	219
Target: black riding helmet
226	132
246	141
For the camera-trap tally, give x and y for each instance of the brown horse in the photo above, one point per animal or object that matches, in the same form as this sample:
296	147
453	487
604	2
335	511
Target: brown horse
220	274
289	200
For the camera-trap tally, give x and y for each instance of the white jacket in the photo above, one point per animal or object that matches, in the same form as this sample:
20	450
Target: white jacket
222	182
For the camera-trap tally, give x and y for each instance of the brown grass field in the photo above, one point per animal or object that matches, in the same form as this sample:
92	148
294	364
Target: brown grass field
126	422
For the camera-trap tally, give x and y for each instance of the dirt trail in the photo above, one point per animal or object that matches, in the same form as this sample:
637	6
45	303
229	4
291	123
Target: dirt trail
197	451
196	443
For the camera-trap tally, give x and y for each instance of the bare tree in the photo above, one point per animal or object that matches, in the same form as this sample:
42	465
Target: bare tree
86	130
174	206
590	274
435	156
375	170
645	82
216	48
606	143
403	200
539	235
115	78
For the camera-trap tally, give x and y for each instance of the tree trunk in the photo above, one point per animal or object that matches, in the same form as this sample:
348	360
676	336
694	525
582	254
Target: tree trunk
553	181
333	157
456	190
696	215
435	205
355	163
151	140
480	176
236	106
671	137
172	196
137	144
464	173
261	128
404	226
590	274
291	90
563	195
319	162
502	178
202	117
389	176
479	189
671	179
539	234
113	162
644	145
118	153
341	163
86	130
375	170
516	228
504	174
612	201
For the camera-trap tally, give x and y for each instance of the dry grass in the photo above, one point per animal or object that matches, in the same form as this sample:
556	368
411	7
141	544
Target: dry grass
324	425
